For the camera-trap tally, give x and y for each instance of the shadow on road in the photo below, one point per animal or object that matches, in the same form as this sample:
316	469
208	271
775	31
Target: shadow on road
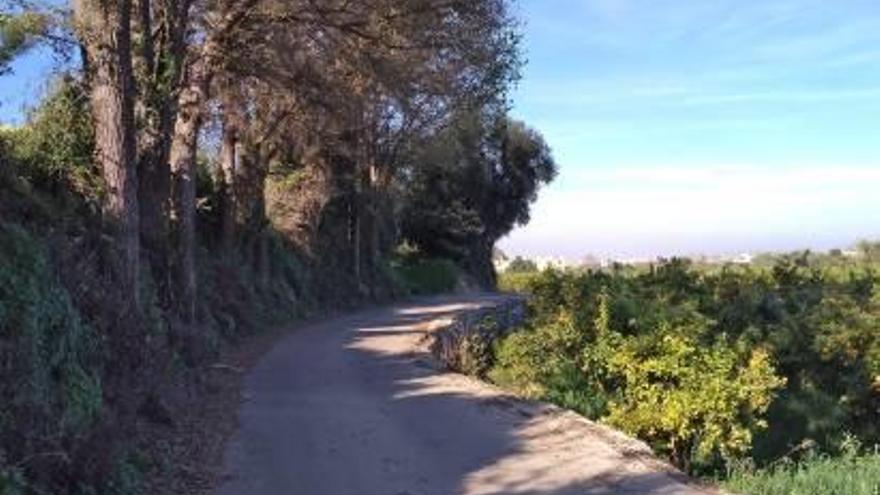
347	408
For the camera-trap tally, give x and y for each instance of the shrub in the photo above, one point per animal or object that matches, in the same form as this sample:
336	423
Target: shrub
517	282
50	390
545	363
690	401
426	276
53	149
522	265
641	352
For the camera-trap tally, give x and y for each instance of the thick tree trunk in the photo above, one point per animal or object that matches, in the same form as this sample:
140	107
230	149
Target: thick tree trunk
479	263
155	185
105	30
183	168
383	228
160	65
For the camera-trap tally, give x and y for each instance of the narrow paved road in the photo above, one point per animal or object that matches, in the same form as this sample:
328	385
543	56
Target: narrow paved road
352	406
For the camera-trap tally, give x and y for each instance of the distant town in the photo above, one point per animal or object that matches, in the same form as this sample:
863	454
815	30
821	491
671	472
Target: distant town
503	262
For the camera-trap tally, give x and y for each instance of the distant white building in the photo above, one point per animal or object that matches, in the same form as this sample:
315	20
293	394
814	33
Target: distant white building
742	259
545	262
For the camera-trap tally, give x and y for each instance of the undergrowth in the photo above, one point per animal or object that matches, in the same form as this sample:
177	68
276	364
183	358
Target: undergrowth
851	473
51	390
426	276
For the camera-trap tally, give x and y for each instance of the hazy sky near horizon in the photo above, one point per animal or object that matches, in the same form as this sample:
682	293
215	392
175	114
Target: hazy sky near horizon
718	126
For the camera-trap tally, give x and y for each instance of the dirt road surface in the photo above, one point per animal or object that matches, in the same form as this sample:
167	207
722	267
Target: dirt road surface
355	406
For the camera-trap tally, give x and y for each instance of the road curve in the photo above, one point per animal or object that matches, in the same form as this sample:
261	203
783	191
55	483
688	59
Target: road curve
352	406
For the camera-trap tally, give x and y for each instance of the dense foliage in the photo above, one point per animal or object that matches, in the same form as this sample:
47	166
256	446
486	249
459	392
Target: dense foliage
57	391
709	365
470	185
521	265
425	276
54	151
203	170
18	32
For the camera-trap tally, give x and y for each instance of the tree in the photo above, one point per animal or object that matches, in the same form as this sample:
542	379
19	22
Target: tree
18	33
190	125
521	265
160	28
472	183
104	29
55	146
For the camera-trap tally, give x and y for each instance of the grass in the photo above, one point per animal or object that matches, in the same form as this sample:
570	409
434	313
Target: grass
849	474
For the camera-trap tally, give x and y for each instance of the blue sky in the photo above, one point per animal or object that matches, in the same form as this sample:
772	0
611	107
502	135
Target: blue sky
713	126
684	126
29	80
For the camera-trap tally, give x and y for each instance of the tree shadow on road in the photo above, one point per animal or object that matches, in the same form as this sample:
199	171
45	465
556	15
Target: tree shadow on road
475	440
350	406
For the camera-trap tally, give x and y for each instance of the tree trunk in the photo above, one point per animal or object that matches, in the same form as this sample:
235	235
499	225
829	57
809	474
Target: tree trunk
384	231
105	30
230	154
356	227
183	168
155	186
159	75
375	212
250	198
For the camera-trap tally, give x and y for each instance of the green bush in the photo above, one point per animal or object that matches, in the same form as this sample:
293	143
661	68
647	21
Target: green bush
690	402
517	282
545	362
707	365
427	276
53	150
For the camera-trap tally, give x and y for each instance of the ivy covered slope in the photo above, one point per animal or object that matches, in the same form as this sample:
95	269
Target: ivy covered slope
51	391
712	366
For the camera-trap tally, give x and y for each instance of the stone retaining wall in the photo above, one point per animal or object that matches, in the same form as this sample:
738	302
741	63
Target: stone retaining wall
465	344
